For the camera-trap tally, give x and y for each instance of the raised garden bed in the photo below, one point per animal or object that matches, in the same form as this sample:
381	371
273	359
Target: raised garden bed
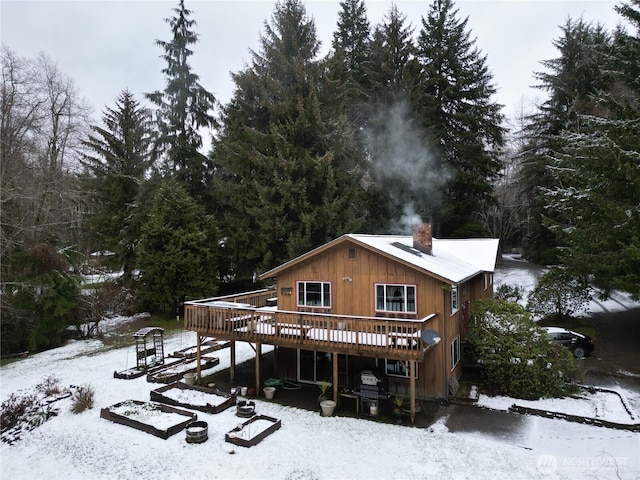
206	347
137	372
175	373
155	418
194	397
253	431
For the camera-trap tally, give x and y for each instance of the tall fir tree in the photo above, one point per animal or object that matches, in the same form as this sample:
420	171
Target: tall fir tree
116	166
346	99
392	68
397	148
184	108
178	252
592	204
350	56
570	80
281	162
457	109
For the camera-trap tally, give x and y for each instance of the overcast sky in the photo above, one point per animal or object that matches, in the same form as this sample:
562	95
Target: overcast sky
107	46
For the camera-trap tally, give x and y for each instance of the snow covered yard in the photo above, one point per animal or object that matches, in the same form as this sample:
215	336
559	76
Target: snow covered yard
307	446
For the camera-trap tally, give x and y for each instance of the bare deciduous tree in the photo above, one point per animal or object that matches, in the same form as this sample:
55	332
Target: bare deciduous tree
44	120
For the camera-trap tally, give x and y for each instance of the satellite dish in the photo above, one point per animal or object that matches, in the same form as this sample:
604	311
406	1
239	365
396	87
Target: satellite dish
430	337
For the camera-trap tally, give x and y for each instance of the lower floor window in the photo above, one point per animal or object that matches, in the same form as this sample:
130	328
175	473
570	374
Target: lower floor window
398	368
455	352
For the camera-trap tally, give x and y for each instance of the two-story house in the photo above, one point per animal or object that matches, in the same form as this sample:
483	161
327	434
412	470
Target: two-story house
396	306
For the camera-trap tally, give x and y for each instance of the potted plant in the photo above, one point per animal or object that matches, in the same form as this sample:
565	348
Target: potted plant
327	406
398	401
323	386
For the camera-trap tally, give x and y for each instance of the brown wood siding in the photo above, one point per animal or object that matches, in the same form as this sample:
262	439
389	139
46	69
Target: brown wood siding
353	281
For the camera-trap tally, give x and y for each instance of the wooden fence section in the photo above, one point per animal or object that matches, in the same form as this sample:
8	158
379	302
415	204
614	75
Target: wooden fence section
248	320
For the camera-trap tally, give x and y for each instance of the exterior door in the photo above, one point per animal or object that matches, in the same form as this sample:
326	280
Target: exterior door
314	367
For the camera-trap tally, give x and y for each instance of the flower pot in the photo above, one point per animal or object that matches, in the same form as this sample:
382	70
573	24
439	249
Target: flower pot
373	409
243	391
197	432
245	408
268	392
189	378
327	406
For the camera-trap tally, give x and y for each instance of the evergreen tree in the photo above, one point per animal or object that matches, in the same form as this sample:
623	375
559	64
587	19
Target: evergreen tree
117	165
178	251
571	81
281	162
401	163
346	99
349	58
183	108
456	108
592	204
41	300
392	68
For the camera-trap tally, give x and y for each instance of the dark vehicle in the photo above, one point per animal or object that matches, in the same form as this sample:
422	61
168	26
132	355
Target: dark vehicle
578	343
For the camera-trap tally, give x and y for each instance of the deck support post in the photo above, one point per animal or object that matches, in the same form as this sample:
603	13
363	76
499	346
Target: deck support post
232	360
335	377
198	355
258	354
412	390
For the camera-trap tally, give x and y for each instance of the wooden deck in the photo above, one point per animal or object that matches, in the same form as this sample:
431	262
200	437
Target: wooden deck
247	317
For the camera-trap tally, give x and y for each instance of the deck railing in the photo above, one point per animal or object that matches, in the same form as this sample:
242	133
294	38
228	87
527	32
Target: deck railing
247	317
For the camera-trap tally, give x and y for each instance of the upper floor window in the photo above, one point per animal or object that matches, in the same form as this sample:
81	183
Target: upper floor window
395	298
488	280
314	294
455	300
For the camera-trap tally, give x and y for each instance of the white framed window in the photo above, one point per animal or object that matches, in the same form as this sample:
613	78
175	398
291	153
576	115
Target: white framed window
398	368
455	352
488	280
395	298
314	294
455	300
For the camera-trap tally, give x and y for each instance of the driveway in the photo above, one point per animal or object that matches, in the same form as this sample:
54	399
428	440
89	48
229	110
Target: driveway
616	358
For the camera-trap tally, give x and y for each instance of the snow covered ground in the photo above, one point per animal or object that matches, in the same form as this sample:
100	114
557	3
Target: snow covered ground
308	446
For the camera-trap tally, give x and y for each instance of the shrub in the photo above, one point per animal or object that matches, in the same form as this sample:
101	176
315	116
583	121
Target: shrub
559	294
510	293
82	398
518	359
22	413
49	386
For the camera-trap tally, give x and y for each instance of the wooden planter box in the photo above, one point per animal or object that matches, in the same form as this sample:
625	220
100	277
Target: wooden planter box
115	413
162	395
244	437
206	347
170	375
137	372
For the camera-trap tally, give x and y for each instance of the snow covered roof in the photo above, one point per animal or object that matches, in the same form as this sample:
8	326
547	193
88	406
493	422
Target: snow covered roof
453	261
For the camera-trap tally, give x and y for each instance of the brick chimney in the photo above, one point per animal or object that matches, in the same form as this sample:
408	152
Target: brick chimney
422	237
